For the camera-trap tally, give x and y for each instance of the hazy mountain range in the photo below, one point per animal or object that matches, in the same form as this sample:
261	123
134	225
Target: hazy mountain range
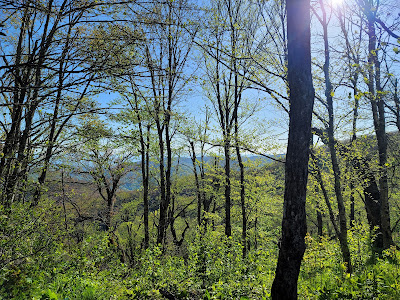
133	180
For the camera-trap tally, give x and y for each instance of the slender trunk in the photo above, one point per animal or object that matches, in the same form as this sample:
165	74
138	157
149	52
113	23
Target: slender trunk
332	149
319	223
352	206
168	169
196	179
110	211
237	99
146	189
228	228
242	202
165	172
318	176
353	138
255	233
397	104
163	201
64	196
50	146
144	152
213	211
378	112
206	201
383	179
224	114
168	112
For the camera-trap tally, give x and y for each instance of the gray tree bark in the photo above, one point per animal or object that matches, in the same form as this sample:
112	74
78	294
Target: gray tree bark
301	98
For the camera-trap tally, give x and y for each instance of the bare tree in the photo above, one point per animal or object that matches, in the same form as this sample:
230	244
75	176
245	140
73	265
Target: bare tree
45	81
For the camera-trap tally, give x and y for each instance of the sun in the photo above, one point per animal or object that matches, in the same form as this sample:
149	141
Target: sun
337	3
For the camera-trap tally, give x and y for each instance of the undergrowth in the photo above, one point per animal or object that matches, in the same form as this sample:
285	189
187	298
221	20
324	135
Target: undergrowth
210	266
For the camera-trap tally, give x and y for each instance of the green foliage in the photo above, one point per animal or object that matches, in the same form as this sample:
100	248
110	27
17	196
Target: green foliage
323	273
208	266
211	268
224	273
27	239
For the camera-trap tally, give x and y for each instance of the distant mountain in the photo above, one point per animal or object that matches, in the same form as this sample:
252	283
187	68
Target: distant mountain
133	180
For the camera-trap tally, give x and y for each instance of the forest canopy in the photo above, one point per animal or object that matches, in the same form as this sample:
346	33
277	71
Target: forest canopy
186	149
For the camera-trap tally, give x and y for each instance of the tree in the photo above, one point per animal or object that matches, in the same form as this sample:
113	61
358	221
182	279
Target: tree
45	82
197	139
360	167
228	43
104	162
352	54
375	91
301	99
137	134
331	142
167	44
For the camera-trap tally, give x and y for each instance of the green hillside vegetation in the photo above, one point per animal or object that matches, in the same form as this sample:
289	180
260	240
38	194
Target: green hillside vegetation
60	250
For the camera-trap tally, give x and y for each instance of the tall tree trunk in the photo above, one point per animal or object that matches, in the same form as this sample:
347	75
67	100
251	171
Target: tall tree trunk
144	138
397	104
242	201
158	94
319	222
162	224
110	211
301	97
352	207
145	175
332	149
227	152
378	113
192	153
237	99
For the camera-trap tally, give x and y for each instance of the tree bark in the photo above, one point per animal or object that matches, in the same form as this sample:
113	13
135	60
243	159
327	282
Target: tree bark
301	99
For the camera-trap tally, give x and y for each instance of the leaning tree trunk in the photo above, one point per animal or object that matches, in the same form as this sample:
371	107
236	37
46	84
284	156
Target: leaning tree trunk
301	89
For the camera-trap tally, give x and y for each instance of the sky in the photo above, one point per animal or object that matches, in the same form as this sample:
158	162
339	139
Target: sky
193	101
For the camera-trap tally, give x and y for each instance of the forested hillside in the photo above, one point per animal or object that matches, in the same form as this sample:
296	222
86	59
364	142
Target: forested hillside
186	149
